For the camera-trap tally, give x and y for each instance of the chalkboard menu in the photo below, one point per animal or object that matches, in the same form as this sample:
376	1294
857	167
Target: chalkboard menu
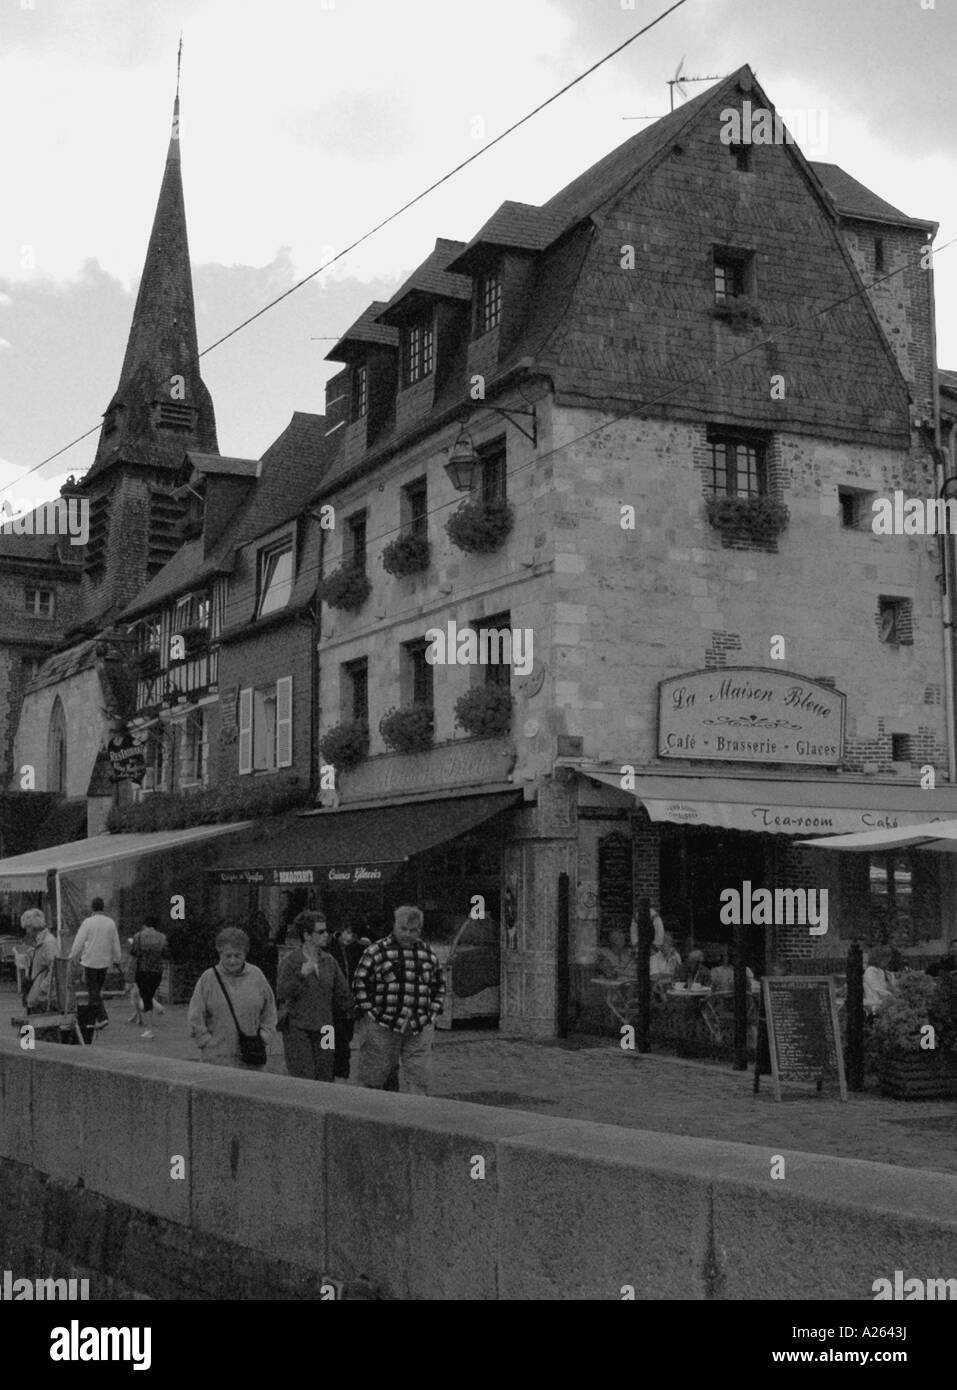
800	1032
615	892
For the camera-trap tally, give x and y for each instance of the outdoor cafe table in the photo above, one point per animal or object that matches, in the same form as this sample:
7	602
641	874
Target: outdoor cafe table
687	1021
617	994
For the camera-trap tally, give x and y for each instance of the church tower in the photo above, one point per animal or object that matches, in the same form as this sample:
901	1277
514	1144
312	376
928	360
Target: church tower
160	409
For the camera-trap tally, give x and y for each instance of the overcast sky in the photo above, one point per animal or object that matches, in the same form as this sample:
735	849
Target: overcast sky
302	126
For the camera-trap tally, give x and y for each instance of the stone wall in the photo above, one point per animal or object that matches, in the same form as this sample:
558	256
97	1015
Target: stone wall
287	1182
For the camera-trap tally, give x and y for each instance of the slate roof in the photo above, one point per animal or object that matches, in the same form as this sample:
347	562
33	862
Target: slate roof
365	330
852	199
291	469
220	464
431	278
948	381
516	226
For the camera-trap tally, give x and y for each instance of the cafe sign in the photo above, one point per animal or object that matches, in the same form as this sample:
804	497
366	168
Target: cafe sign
326	875
749	714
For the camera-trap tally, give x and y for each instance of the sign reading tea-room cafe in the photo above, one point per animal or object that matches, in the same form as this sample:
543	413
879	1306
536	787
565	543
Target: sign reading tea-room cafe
748	714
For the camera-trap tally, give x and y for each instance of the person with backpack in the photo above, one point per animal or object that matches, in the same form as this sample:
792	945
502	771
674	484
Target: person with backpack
148	950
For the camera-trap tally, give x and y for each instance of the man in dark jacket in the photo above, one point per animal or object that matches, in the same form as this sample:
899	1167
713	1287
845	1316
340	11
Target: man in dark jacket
400	986
313	992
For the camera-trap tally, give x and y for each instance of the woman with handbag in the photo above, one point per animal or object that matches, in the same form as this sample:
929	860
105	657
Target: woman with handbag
314	1001
232	1014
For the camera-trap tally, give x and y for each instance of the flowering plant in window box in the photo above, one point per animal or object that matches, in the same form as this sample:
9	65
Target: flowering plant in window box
408	730
346	744
347	587
485	710
407	554
481	526
195	637
907	1068
753	518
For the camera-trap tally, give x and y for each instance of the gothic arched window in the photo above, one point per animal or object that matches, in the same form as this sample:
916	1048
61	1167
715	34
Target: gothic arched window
56	749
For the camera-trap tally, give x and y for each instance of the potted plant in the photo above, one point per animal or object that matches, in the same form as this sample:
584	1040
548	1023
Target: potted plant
907	1067
195	637
407	554
347	587
747	518
407	730
479	526
485	710
346	744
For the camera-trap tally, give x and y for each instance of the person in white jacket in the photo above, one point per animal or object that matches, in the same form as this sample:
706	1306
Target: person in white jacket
97	944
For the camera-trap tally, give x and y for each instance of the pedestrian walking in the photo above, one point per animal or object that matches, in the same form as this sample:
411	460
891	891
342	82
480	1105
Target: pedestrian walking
232	1014
314	1002
346	949
400	986
97	944
148	949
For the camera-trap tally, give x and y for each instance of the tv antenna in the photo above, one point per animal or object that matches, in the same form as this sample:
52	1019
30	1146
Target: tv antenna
679	79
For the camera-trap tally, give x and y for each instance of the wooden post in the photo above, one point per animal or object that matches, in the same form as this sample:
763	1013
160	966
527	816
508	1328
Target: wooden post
741	993
643	961
855	1016
562	946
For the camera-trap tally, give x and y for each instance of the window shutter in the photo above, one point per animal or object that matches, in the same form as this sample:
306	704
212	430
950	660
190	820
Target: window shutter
284	722
245	731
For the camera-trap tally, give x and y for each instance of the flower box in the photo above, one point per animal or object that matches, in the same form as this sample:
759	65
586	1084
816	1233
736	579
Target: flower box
406	555
346	744
479	526
485	711
747	518
918	1075
408	730
347	587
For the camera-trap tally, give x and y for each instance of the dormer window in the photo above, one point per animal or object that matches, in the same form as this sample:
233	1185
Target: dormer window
360	392
275	578
488	306
419	351
174	415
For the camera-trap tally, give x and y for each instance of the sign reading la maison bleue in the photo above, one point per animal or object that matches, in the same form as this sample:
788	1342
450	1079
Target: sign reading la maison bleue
750	714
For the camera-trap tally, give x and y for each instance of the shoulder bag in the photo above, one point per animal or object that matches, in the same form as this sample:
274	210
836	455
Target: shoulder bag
252	1049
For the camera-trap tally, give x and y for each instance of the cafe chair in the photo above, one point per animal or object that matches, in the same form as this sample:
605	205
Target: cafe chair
55	1027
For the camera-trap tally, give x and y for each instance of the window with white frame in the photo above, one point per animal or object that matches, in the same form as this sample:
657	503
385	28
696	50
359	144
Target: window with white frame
193	750
265	727
275	578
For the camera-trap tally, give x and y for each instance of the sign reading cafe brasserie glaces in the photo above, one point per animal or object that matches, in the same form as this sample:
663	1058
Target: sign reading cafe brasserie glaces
750	714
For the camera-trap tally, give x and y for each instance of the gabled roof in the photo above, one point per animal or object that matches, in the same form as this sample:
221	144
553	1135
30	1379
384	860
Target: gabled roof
219	464
365	331
431	280
514	226
290	471
852	199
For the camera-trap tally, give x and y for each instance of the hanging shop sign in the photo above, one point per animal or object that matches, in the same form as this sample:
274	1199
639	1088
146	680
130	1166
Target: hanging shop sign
127	759
326	875
749	714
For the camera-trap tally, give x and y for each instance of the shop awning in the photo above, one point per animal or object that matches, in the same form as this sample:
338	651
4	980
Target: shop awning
938	836
350	847
779	806
28	872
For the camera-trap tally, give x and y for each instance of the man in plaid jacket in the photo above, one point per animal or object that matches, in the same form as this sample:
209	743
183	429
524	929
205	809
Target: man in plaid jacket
400	987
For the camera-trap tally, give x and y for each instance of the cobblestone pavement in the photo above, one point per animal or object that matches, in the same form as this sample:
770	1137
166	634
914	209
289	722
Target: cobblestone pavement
593	1079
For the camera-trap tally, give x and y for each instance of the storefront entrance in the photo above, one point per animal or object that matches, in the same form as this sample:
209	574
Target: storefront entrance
697	863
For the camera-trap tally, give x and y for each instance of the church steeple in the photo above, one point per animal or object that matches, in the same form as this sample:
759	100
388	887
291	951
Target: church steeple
161	409
161	406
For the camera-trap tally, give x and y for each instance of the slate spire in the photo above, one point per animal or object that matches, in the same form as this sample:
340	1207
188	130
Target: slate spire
161	407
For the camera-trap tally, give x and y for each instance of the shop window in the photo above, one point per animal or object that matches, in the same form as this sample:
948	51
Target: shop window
738	465
890	894
494	475
355	689
275	578
39	602
415	508
356	532
265	727
895	621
